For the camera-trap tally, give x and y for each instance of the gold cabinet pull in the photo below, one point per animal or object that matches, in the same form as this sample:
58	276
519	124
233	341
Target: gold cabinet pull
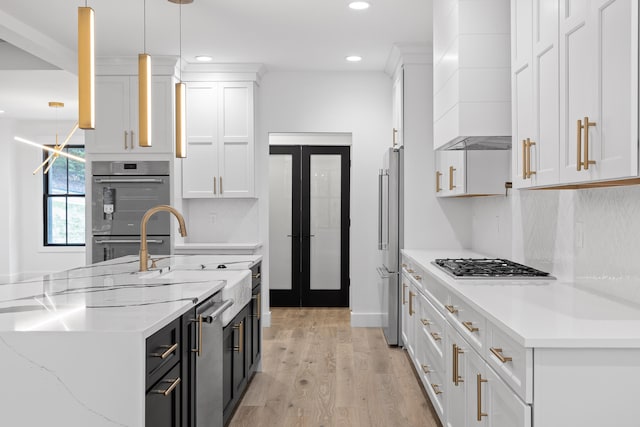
436	388
426	369
587	162
529	171
451	309
410	271
395	133
404	299
167	392
221	186
411	295
451	170
240	327
125	139
417	277
457	351
435	336
169	349
215	185
497	352
579	146
199	349
438	175
404	265
470	327
479	381
131	141
256	298
524	159
425	322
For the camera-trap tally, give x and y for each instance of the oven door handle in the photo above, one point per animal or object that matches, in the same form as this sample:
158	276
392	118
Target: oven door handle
128	180
123	241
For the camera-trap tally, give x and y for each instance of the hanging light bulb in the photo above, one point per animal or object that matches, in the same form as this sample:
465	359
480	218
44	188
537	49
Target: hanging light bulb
86	68
144	88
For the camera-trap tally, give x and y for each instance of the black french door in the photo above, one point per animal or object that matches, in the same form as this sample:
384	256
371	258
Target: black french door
309	226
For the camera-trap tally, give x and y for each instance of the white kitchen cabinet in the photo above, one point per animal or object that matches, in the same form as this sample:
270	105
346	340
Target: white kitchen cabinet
457	379
407	318
220	140
116	129
398	109
587	52
471	172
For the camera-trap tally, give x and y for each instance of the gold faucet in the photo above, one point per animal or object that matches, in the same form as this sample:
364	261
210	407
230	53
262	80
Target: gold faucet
144	253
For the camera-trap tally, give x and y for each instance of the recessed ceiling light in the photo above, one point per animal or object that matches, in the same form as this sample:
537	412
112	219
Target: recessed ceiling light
359	5
354	58
1	111
203	58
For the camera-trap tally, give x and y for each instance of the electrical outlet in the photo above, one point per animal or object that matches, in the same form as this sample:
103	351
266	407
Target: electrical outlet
213	217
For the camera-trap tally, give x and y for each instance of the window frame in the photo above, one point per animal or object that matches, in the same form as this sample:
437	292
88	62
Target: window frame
46	196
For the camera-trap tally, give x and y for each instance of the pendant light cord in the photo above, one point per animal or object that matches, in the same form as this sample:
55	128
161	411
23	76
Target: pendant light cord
144	26
180	43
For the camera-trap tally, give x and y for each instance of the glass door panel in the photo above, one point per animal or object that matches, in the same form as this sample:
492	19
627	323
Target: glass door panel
280	212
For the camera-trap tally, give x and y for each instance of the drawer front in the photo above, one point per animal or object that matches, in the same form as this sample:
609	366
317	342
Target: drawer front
163	401
470	324
256	274
433	324
504	407
432	375
437	291
511	361
163	351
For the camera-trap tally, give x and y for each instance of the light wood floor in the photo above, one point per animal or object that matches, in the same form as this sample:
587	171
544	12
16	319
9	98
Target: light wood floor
320	372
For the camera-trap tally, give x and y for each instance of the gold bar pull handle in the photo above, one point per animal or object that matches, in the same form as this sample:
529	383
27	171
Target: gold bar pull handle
479	381
167	392
470	327
417	277
425	322
215	185
457	351
452	309
411	295
497	352
426	369
524	158
199	349
169	349
579	146
240	328
404	287
131	141
395	133
435	336
438	175
126	134
587	162
221	186
529	171
451	170
436	388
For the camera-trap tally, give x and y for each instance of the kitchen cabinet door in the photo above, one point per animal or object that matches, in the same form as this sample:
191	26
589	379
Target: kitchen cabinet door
598	83
465	173
456	379
407	327
398	109
163	401
117	116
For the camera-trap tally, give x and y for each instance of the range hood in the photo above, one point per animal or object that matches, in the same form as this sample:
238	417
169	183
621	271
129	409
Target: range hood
472	75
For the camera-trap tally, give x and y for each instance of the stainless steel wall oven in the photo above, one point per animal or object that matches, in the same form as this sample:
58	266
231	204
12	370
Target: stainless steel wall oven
121	193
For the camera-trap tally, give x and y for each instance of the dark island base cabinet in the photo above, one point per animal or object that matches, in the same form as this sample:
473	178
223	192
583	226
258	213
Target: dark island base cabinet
164	401
242	349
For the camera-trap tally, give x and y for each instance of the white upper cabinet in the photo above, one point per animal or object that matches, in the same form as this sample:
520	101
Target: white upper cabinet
472	97
220	140
471	172
397	107
582	68
117	116
599	90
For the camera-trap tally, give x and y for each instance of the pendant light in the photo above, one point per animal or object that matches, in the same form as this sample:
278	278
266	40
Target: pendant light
180	96
144	88
86	68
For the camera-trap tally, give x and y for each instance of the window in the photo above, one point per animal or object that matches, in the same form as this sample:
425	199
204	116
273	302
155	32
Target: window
64	192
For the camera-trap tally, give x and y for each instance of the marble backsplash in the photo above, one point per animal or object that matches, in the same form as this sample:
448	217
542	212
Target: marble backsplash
590	237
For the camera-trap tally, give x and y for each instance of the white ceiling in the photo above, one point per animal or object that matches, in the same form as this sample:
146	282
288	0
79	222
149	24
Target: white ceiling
293	35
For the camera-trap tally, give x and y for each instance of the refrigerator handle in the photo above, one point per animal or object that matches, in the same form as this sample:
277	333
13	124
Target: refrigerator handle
380	173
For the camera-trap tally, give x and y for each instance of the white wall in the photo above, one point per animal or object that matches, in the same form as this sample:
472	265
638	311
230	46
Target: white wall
27	225
8	214
353	102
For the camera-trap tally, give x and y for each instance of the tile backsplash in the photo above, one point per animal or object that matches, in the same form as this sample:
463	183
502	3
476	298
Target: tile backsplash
590	237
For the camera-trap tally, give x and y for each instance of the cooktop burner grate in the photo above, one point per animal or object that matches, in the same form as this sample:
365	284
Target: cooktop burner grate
488	267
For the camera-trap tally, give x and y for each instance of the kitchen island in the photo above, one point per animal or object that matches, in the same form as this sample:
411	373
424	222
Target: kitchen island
73	344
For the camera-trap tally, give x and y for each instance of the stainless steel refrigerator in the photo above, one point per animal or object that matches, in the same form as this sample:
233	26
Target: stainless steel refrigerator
390	240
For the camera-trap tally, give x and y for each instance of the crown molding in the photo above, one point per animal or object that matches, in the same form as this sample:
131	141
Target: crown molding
408	53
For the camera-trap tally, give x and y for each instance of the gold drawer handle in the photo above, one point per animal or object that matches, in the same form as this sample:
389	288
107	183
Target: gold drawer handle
438	175
479	381
425	322
167	392
436	388
470	327
240	328
404	287
410	270
435	336
451	309
404	265
170	349
417	277
497	352
426	369
451	170
411	295
457	351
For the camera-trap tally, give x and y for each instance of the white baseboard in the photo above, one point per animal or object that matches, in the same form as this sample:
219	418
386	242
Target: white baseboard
366	320
266	319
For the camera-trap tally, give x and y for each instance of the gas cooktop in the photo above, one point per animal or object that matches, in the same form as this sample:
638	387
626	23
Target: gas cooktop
483	268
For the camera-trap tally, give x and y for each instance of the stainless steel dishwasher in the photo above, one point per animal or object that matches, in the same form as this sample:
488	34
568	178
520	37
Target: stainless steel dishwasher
206	364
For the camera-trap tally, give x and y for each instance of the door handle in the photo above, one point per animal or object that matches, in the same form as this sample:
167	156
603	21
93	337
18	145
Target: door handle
380	209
